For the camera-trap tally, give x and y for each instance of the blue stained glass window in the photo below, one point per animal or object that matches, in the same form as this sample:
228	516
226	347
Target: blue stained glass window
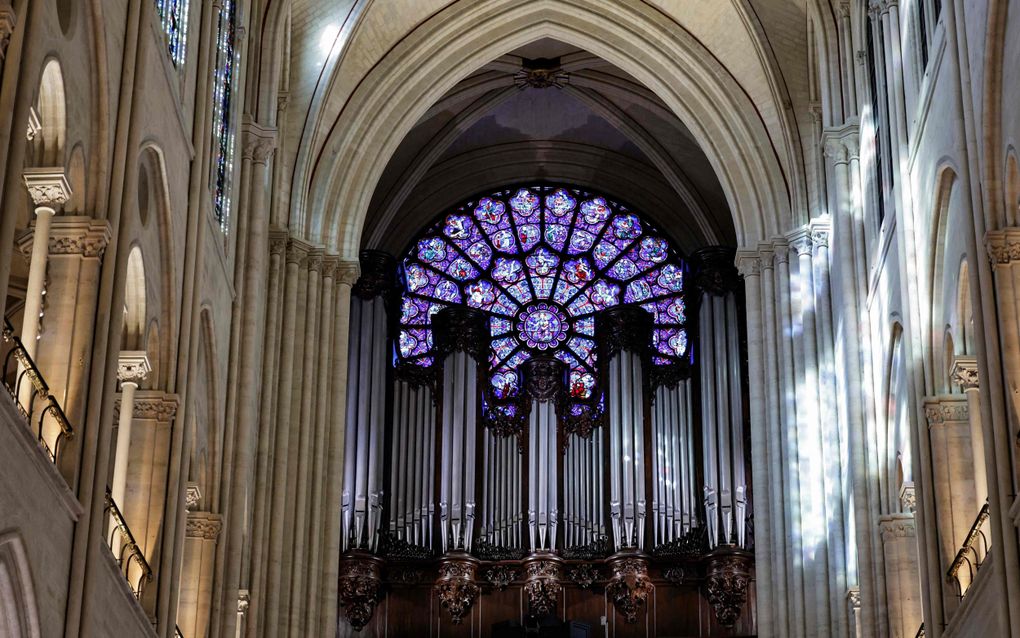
542	261
173	16
224	76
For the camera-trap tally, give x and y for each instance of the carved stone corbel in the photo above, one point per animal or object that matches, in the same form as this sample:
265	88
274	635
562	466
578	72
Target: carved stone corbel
726	580
629	587
456	587
360	587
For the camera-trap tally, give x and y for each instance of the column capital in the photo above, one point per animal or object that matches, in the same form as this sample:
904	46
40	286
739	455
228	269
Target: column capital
315	260
277	240
297	252
329	265
1003	245
347	272
748	263
853	597
152	405
258	141
894	526
71	235
820	228
800	241
842	143
204	525
47	186
945	409
715	272
908	497
965	372
133	366
377	274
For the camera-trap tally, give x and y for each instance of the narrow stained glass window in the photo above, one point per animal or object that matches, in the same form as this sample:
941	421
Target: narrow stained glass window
173	16
223	124
541	261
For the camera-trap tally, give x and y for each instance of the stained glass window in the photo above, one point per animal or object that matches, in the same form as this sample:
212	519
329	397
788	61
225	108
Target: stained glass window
173	15
223	125
542	261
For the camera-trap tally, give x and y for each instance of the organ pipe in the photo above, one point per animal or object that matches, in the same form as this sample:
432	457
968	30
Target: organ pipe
545	381
624	334
725	484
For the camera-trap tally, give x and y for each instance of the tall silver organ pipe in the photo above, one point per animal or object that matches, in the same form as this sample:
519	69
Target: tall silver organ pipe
412	457
675	503
624	335
461	336
584	514
725	490
502	504
362	496
545	381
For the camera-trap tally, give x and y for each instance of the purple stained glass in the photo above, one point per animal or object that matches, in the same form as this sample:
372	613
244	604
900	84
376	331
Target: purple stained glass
556	236
480	294
507	270
542	262
432	250
560	203
524	202
490	210
543	326
626	227
580	241
528	235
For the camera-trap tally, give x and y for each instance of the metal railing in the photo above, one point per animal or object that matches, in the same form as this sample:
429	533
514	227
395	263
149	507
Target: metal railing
125	550
32	396
920	632
972	554
177	632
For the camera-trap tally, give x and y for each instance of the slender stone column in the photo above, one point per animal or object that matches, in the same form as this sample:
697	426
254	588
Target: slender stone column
965	374
201	534
48	188
902	577
132	368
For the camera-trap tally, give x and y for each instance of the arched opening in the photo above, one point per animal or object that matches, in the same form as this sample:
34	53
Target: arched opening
47	147
19	617
133	332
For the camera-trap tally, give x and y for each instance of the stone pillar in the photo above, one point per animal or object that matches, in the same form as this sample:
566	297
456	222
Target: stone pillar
902	576
201	533
954	489
965	374
132	368
48	188
8	20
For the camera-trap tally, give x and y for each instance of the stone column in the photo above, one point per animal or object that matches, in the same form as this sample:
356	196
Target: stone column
965	374
8	20
902	577
48	188
201	533
132	368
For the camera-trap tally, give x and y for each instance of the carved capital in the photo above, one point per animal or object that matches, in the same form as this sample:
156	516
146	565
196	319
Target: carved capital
258	142
329	264
347	273
297	253
47	187
895	526
623	328
315	260
801	245
204	525
243	601
629	587
853	598
359	588
461	329
277	241
965	373
726	580
545	378
908	497
1003	246
133	366
946	409
748	263
842	143
456	587
72	235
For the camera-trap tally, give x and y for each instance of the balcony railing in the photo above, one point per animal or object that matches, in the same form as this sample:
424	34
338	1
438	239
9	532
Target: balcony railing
32	396
125	550
971	555
920	632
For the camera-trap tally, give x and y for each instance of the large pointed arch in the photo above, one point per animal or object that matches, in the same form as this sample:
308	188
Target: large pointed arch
459	39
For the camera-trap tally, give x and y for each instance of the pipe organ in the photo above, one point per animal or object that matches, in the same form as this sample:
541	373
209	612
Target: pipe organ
489	482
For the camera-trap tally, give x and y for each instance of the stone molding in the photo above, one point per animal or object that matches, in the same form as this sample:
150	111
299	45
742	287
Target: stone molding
133	366
946	409
204	525
1003	245
965	373
72	235
47	186
894	526
152	405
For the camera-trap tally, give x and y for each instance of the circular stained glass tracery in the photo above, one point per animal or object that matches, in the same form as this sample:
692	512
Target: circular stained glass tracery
542	261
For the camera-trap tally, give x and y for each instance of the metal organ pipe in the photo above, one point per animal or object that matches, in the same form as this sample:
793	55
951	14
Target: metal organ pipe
624	334
411	469
545	380
725	491
362	482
